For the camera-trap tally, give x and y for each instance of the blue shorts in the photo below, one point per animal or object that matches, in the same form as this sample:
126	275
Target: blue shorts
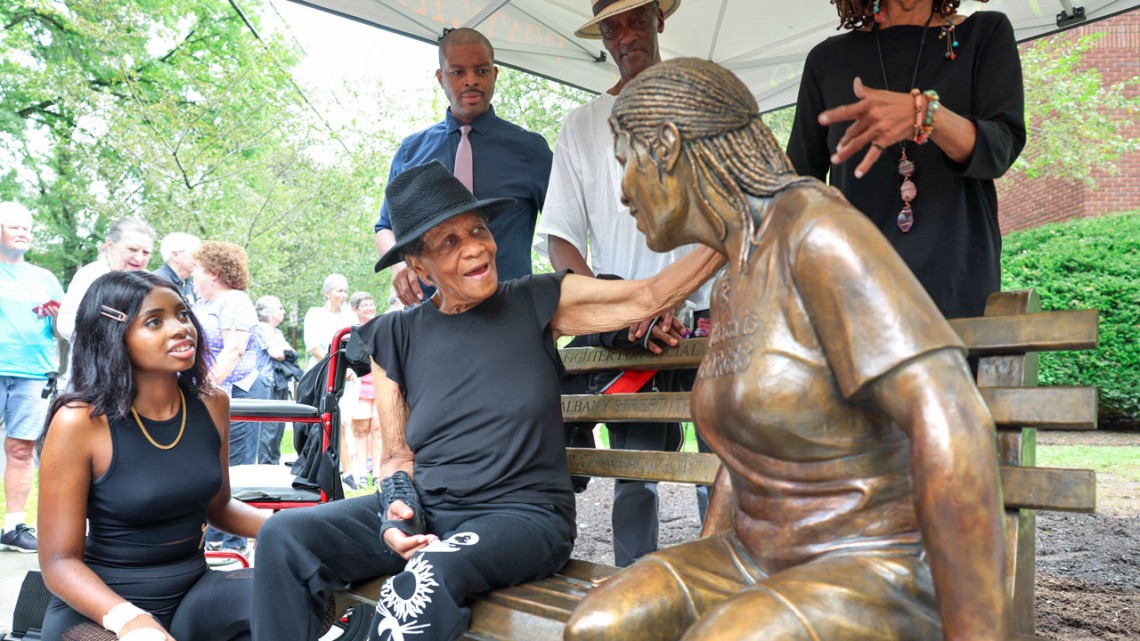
22	407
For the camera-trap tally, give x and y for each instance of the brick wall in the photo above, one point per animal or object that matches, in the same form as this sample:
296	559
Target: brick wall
1026	203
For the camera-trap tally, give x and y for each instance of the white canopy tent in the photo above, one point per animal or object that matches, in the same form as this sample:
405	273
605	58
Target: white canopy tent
762	41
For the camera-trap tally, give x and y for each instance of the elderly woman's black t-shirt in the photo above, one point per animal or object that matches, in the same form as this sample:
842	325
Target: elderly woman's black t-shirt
485	420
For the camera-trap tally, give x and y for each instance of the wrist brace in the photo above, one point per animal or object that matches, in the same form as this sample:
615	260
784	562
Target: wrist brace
399	487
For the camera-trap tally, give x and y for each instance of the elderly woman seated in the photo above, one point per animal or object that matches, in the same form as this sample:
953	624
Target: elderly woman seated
476	491
864	489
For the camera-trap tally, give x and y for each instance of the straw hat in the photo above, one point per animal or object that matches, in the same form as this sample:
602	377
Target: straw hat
607	8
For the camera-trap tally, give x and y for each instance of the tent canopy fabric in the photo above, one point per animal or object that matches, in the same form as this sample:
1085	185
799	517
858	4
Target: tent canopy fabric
764	42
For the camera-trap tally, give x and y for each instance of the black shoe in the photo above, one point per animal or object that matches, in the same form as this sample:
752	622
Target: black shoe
350	481
21	539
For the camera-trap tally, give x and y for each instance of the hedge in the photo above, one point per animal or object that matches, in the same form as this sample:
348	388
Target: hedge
1088	263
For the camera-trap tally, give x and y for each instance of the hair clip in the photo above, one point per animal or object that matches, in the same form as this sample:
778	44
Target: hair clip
113	314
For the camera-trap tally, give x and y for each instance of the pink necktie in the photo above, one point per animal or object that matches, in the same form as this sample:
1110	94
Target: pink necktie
463	159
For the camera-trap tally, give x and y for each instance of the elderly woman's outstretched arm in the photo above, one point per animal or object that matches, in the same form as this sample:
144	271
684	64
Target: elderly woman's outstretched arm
589	305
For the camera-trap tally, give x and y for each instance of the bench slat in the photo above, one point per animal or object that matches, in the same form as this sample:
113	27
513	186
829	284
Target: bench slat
1048	488
1043	407
530	598
1040	488
580	360
1054	408
593	573
1019	333
624	408
491	621
1036	332
677	467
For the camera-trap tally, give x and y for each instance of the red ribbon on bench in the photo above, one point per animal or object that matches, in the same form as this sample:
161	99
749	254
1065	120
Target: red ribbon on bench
629	381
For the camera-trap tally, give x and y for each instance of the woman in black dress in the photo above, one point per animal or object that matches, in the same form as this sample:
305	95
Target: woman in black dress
134	466
914	112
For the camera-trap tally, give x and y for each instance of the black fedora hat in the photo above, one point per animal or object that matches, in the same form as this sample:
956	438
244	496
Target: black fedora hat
425	196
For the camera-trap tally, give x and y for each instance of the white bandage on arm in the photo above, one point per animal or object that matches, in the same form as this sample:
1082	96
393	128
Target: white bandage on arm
120	615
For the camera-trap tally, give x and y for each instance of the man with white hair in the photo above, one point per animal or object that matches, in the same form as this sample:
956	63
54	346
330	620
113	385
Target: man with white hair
29	303
178	253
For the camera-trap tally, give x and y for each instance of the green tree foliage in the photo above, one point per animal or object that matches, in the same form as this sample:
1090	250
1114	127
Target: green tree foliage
536	103
1070	112
780	122
1088	263
182	113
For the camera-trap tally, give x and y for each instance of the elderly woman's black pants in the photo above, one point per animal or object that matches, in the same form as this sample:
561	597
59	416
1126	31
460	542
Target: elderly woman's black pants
304	555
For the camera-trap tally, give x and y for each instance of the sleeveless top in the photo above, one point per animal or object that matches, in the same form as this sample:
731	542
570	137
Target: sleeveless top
150	506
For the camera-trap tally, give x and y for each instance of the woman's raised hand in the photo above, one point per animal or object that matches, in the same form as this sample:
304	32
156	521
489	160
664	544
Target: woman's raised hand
880	118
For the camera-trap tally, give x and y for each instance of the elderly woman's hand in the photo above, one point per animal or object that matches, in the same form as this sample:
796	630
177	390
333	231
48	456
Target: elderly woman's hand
666	329
405	544
881	118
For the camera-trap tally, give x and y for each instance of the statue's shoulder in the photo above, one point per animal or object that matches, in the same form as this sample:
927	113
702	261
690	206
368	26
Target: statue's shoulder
813	201
821	213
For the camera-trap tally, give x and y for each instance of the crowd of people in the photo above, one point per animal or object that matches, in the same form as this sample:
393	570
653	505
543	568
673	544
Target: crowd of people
248	354
643	200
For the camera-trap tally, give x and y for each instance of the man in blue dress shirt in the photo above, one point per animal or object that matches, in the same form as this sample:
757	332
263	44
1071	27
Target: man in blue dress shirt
507	160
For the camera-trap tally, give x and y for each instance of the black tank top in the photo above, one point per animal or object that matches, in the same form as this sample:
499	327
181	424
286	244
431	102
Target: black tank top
150	506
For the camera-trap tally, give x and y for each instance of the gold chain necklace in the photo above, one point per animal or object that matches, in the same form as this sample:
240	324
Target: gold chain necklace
181	430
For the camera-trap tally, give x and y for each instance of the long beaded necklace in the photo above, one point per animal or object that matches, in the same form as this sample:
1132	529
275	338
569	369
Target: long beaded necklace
181	430
907	191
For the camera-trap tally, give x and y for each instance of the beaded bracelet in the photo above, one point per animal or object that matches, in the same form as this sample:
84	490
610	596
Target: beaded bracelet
917	112
923	131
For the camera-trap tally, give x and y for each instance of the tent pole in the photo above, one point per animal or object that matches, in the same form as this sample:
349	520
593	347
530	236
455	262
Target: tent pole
491	8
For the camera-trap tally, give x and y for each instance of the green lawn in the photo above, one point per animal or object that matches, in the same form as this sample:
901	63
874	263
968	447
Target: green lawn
1122	461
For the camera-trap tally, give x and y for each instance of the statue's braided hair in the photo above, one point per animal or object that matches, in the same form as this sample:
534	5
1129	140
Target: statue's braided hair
729	148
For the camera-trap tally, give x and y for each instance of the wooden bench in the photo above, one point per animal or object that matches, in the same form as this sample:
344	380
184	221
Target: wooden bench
1006	341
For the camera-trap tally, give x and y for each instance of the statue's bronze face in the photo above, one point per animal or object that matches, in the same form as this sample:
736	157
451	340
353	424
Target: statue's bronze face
651	192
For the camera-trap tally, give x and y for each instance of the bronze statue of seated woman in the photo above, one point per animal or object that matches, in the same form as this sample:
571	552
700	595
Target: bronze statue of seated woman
864	488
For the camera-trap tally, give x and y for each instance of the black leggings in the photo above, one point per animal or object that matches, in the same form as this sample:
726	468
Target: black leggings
192	602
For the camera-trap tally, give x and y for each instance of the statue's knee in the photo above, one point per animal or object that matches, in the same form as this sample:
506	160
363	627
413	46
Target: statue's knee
643	603
753	615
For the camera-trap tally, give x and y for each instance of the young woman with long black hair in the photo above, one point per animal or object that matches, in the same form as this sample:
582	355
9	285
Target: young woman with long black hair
133	468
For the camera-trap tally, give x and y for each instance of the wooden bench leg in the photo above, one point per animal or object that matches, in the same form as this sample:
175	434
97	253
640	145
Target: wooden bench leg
1016	447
